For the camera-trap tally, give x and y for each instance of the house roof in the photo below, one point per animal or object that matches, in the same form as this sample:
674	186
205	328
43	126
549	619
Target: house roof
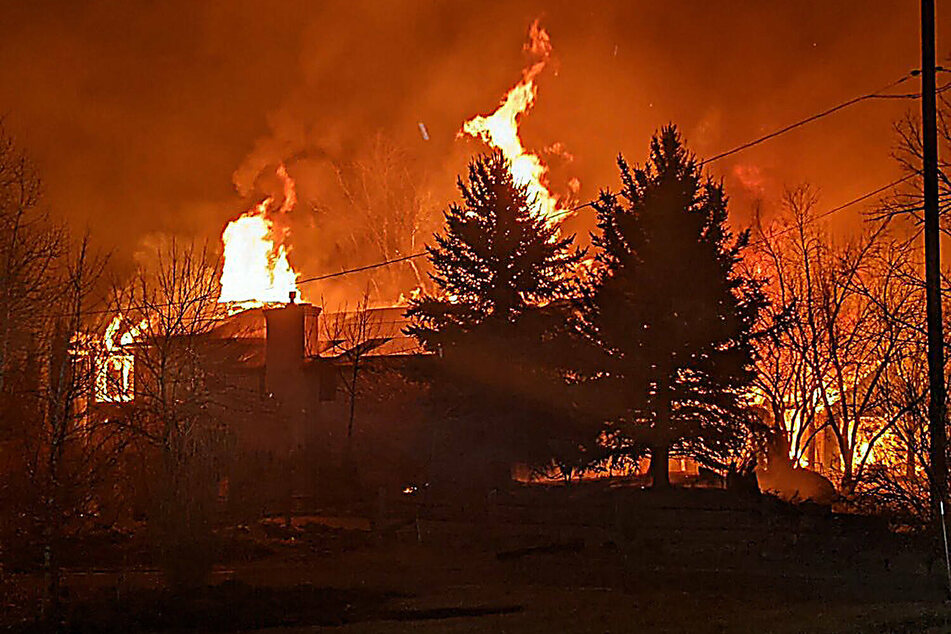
381	329
333	335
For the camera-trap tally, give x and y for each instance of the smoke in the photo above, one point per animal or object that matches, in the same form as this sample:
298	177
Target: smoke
751	178
151	119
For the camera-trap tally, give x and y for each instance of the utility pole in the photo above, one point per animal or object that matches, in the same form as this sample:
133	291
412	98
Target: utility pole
929	137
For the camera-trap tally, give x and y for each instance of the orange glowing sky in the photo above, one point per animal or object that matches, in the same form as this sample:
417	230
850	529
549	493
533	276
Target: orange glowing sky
150	118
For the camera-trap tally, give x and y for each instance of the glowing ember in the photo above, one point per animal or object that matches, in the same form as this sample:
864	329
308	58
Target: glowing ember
404	298
500	129
256	270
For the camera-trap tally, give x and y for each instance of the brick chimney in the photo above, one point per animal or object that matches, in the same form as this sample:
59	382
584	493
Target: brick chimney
290	329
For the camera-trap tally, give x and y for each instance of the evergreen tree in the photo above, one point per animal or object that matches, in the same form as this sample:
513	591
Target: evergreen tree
670	311
497	259
503	278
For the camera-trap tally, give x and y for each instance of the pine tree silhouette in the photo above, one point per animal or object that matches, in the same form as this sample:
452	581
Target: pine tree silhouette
670	311
497	258
503	275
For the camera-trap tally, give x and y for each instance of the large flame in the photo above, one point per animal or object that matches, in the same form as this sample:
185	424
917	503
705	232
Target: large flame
500	129
256	270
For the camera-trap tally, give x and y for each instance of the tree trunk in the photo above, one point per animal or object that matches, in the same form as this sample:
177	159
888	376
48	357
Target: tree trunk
353	402
847	484
660	466
52	605
660	448
909	461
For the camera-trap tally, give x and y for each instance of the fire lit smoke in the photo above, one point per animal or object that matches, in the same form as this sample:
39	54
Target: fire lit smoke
256	270
500	129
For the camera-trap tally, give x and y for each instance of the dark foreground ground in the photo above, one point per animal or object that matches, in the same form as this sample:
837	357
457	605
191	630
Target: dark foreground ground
581	560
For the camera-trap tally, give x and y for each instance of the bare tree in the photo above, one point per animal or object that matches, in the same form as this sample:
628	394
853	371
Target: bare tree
68	453
30	246
906	201
784	378
905	206
392	214
171	307
180	398
900	478
48	286
826	368
80	451
351	336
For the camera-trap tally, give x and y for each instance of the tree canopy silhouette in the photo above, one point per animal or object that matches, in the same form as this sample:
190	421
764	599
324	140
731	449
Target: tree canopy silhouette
502	274
670	311
496	259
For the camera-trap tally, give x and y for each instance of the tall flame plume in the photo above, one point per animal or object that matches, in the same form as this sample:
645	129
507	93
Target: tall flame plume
500	129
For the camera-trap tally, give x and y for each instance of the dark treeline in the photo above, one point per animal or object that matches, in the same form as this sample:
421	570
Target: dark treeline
776	349
83	443
645	349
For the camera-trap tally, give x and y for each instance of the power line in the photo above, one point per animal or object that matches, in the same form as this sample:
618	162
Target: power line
825	113
362	268
824	214
798	124
376	265
873	95
834	210
802	122
404	258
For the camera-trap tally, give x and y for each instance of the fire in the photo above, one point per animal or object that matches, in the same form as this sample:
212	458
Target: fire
256	270
500	129
115	370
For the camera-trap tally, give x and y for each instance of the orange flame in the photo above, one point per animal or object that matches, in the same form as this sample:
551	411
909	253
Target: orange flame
500	129
115	369
256	270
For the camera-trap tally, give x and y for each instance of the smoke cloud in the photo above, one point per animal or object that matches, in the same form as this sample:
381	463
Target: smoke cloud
150	119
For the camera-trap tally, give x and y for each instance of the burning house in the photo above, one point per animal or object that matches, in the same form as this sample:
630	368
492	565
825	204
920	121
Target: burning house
286	373
295	392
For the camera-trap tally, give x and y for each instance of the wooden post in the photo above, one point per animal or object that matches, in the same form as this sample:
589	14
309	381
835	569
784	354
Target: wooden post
929	137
